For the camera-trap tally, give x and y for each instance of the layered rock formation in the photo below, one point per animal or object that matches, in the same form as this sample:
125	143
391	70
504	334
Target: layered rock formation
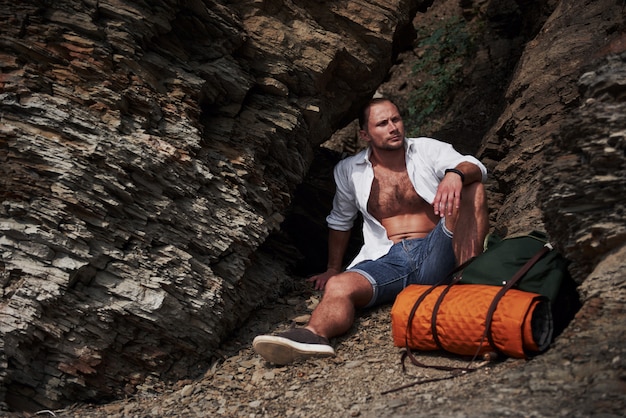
149	149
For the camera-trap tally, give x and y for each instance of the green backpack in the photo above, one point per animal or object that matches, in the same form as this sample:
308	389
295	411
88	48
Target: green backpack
548	275
505	257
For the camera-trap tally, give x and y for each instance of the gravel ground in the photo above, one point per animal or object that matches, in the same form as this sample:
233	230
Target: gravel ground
351	384
580	376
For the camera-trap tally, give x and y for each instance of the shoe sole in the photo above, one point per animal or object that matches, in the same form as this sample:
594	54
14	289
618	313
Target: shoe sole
279	350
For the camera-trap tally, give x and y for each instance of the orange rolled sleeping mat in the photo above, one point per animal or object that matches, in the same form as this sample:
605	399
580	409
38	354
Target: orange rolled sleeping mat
455	321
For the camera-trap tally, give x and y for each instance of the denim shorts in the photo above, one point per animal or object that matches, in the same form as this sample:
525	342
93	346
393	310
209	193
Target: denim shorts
425	260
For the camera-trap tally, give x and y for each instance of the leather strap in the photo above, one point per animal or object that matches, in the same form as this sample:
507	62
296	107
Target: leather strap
496	300
433	319
408	353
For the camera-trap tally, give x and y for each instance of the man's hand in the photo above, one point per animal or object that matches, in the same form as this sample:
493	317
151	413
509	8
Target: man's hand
319	280
448	197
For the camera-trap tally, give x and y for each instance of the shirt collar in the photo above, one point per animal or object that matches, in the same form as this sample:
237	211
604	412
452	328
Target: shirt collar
409	145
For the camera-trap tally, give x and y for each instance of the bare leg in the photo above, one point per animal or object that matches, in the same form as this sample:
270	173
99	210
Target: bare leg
471	224
335	313
333	316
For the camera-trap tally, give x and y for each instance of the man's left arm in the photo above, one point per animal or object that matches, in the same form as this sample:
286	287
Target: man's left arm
448	197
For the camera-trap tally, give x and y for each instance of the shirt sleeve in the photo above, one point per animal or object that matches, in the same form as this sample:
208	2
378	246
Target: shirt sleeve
445	156
428	159
345	210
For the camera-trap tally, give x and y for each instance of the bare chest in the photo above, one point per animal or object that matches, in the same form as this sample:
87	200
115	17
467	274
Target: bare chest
393	194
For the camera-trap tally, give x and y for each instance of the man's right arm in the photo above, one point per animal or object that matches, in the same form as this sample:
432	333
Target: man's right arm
337	246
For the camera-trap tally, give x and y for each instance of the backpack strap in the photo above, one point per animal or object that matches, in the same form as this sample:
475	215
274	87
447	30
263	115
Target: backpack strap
407	352
516	278
433	319
427	292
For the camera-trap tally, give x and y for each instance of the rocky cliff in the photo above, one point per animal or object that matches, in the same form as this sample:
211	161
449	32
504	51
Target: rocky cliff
152	150
148	150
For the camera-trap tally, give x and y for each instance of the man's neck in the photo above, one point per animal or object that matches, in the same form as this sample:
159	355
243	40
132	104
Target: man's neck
392	159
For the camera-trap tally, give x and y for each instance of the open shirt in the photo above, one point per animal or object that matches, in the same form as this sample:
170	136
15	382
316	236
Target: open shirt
426	162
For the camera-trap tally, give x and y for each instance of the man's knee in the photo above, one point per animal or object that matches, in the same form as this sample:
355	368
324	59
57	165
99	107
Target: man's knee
349	285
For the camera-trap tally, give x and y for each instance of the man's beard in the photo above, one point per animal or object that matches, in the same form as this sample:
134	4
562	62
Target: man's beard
391	146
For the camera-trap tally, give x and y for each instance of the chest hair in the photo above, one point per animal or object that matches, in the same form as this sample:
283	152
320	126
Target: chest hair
393	194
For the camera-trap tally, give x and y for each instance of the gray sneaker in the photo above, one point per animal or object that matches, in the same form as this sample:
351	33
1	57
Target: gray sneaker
289	346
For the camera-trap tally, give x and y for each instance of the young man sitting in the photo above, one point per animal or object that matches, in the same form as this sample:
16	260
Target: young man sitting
424	210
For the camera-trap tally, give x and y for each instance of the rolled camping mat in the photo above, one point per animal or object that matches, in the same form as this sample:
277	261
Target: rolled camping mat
521	326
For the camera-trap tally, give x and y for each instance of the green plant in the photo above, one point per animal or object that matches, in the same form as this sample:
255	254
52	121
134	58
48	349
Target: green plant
445	51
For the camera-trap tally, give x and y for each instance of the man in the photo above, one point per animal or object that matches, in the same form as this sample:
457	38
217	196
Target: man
424	210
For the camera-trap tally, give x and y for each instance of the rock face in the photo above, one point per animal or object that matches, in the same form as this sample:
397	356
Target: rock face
582	193
558	147
150	152
541	98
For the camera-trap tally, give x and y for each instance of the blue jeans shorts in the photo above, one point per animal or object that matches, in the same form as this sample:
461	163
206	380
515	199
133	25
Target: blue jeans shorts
414	261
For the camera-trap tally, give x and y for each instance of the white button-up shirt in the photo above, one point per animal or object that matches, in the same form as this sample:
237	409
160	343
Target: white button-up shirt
426	162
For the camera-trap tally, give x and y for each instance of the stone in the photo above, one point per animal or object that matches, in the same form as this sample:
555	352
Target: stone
149	150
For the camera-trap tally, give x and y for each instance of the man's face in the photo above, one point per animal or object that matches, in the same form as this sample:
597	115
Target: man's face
384	129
